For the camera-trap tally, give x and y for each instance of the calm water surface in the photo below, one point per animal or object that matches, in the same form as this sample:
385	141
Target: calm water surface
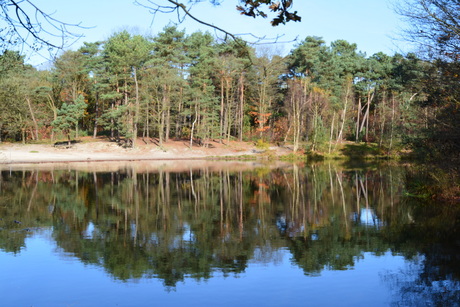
223	234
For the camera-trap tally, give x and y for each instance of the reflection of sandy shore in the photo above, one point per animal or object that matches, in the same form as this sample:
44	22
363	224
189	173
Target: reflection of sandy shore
106	153
146	166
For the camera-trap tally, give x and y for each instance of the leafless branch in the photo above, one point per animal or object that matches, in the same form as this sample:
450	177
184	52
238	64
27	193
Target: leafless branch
26	25
180	7
177	7
434	25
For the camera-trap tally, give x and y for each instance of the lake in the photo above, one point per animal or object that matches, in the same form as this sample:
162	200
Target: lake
174	233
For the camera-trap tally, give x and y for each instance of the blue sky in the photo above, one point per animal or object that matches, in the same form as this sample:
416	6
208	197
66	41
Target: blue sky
371	24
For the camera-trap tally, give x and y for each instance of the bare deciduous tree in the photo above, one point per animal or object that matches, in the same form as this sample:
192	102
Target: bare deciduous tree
434	25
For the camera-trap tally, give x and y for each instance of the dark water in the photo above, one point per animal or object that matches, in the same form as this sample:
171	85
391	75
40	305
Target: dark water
224	234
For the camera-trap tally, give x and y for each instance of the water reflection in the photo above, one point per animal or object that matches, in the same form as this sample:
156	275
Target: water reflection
146	221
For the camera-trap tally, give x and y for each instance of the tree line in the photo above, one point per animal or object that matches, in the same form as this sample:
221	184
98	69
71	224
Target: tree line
196	88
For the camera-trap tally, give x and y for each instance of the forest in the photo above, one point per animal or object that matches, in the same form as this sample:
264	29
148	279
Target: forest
179	86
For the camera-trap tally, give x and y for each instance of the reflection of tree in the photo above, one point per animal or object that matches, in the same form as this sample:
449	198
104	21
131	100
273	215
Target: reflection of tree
19	212
166	225
12	241
431	241
178	225
429	280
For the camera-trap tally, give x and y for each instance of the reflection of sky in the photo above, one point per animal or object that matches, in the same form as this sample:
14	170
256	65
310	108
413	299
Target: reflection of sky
89	232
42	275
367	217
187	234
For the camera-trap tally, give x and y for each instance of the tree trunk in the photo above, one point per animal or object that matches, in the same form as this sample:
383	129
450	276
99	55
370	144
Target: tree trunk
357	120
227	110
221	109
33	118
96	116
296	122
193	125
147	120
168	123
179	111
163	108
168	116
69	142
365	121
392	122
370	97
382	127
332	132
344	114
315	127
136	114
161	128
241	108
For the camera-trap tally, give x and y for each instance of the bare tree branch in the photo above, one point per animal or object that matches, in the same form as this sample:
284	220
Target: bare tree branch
179	7
434	25
27	26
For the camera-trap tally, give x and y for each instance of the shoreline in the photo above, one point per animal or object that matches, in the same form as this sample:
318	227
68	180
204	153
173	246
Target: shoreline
105	151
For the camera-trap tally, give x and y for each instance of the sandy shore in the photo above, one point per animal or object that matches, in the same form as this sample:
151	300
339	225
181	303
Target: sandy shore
101	150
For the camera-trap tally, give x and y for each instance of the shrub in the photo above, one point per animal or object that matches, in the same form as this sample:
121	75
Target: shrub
262	145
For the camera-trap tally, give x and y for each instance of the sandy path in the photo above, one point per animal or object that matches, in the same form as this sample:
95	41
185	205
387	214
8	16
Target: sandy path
108	151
